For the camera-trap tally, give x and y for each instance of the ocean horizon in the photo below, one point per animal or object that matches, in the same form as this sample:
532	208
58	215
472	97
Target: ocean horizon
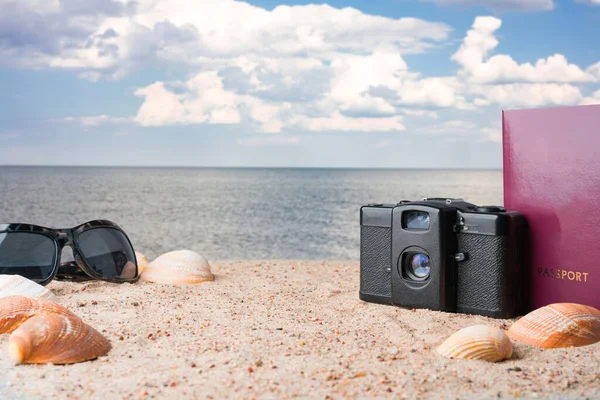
230	213
246	167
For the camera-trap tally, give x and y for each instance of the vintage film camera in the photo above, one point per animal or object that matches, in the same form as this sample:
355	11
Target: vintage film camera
444	254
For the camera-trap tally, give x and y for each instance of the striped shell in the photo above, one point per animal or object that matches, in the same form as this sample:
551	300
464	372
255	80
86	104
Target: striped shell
56	339
558	325
142	262
178	267
478	342
16	285
15	310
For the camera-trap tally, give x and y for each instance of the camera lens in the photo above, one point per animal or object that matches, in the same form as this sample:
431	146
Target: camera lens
419	266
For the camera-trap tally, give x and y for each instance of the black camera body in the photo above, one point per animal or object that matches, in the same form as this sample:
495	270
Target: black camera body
444	254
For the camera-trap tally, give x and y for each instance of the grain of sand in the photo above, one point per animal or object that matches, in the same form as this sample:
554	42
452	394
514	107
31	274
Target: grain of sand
283	329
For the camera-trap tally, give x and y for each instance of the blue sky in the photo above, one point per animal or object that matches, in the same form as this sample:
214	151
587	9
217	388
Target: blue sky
390	84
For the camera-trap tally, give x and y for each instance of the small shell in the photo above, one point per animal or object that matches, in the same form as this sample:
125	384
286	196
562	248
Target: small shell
178	267
142	262
478	342
558	325
15	310
56	339
16	285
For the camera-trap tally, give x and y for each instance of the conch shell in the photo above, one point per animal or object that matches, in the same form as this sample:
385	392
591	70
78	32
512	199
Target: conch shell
558	325
478	342
16	285
15	310
178	267
142	262
56	339
46	332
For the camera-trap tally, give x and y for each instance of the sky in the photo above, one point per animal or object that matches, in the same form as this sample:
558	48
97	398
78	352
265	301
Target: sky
271	83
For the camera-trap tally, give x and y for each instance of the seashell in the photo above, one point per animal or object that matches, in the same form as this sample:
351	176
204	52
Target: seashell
142	262
558	325
178	267
56	339
16	285
478	342
15	310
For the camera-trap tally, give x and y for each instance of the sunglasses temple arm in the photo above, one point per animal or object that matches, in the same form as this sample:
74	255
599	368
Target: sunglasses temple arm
70	271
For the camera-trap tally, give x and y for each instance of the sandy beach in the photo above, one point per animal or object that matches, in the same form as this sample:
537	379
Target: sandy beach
281	329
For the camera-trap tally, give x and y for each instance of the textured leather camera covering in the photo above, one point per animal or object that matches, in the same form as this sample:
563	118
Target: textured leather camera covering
375	259
484	279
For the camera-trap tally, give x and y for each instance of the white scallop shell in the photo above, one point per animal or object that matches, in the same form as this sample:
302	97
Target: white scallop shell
178	267
478	342
16	285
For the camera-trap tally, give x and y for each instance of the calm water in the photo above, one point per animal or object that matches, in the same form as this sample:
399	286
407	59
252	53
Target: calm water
229	214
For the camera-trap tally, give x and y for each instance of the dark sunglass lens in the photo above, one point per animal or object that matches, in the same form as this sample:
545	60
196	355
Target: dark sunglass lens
30	255
108	252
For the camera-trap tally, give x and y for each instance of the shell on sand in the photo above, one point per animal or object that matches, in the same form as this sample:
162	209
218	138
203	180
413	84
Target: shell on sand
478	342
16	285
558	325
178	267
142	262
15	310
56	339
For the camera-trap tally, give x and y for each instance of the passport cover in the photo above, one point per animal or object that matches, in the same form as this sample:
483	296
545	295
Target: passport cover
551	173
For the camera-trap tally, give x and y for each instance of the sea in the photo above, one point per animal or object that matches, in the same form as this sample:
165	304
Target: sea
230	213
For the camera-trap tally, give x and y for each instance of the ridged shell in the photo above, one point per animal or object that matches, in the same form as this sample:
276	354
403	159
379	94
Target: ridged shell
16	285
15	310
56	339
142	262
558	325
478	342
178	267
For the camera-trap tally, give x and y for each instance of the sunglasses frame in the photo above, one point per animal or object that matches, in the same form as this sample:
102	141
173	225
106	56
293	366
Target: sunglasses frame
77	270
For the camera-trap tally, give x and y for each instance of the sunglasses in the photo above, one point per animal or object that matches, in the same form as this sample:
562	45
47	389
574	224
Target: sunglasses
101	249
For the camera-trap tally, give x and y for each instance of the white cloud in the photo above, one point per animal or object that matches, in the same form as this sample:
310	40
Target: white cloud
593	99
591	2
420	113
463	130
454	126
500	80
232	28
113	37
594	69
507	5
340	91
378	83
91	76
530	94
459	124
339	122
97	120
492	134
204	100
477	66
308	67
271	140
328	67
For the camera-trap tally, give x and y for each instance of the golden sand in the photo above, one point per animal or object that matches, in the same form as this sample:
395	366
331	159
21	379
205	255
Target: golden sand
283	329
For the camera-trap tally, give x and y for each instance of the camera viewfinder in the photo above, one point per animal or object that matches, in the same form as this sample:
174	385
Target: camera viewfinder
415	220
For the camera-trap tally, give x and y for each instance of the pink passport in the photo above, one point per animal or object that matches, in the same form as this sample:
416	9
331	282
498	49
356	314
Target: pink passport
552	176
